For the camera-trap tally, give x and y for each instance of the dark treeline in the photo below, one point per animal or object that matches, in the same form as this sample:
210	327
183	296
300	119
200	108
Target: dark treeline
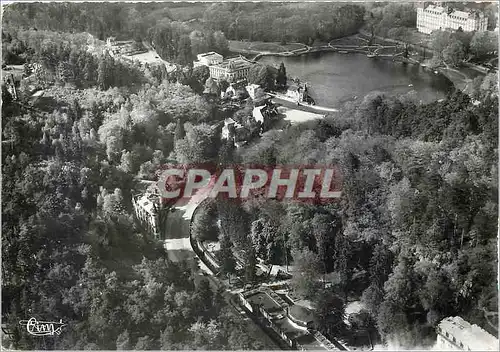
174	41
251	21
65	58
414	235
70	248
280	22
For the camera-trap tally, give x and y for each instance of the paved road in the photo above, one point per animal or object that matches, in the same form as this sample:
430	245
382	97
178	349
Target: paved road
179	248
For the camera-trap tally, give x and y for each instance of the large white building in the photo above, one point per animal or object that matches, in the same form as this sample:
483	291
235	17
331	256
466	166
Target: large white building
232	70
456	334
146	207
433	17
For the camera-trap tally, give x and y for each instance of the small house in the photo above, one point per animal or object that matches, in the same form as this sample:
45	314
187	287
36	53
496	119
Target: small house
297	92
255	91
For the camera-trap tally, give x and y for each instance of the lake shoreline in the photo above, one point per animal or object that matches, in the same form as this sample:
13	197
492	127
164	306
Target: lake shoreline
460	80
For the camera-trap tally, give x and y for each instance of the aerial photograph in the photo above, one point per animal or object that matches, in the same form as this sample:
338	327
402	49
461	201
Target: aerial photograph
313	176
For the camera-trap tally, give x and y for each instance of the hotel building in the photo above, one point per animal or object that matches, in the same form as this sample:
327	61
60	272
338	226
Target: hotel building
433	17
456	334
232	70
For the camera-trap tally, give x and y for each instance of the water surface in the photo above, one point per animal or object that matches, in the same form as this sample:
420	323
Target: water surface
336	78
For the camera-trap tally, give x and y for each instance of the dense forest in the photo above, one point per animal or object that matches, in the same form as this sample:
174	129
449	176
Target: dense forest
415	233
413	236
71	249
205	24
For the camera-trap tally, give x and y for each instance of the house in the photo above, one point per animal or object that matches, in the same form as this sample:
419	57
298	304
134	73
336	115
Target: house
265	115
110	41
301	315
207	59
231	129
146	207
454	333
257	114
291	323
235	91
297	92
434	17
255	91
230	91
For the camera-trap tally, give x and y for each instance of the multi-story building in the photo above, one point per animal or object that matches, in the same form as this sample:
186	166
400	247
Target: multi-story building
434	17
456	334
146	206
231	70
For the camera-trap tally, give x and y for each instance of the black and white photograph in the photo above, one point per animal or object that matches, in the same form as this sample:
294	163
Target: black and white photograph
238	175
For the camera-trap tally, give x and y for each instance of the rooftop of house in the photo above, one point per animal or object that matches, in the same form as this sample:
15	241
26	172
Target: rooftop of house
148	202
287	326
471	336
265	301
230	121
253	86
301	313
257	112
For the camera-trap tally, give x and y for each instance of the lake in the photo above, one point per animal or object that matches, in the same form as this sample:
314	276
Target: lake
335	78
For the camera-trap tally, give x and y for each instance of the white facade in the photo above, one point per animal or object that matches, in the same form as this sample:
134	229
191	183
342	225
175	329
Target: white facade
434	18
231	70
146	210
456	334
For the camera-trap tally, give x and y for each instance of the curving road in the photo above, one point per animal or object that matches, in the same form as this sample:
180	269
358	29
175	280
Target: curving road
179	247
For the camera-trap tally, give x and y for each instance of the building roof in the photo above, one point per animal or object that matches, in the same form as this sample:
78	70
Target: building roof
235	63
440	9
148	202
257	113
263	299
229	121
301	313
290	330
472	336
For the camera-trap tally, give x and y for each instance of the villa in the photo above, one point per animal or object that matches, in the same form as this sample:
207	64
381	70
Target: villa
434	17
456	334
